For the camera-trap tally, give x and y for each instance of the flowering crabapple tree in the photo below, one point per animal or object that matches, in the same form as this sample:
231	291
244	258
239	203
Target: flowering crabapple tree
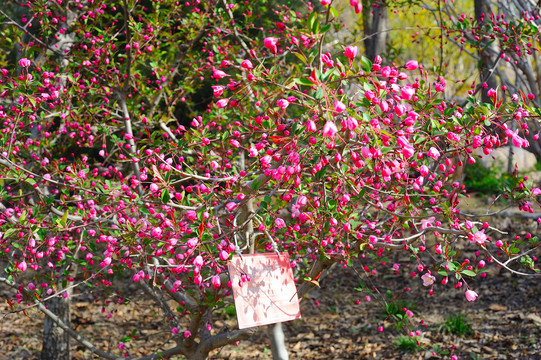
117	164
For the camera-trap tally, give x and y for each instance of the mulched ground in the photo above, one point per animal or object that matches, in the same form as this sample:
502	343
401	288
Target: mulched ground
337	322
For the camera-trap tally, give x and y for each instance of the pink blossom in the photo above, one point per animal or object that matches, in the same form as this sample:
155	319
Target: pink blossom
412	65
282	103
428	279
452	136
491	92
517	140
400	110
327	59
339	106
265	161
479	238
386	173
329	129
222	103
350	52
427	222
253	151
191	214
24	62
230	206
156	232
408	151
198	261
369	94
402	141
386	72
22	266
216	282
433	153
224	255
191	243
439	87
407	92
311	125
325	2
471	295
218	90
218	74
270	43
280	223
247	64
384	106
350	123
424	170
153	188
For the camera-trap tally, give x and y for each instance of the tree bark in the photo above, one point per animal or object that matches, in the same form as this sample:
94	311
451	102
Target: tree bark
56	340
375	21
482	9
277	340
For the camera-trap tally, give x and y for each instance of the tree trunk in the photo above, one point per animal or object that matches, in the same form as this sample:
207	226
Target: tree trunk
277	340
375	21
56	340
482	11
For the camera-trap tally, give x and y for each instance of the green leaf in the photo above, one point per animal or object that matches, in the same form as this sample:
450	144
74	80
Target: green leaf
312	20
334	12
366	64
331	204
23	216
30	181
165	196
468	273
321	173
303	59
64	219
303	81
325	28
319	93
255	185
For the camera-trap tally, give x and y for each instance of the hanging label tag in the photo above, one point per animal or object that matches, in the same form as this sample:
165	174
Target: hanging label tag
264	289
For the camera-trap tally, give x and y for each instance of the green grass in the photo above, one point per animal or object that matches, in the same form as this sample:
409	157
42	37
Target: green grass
407	343
457	325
